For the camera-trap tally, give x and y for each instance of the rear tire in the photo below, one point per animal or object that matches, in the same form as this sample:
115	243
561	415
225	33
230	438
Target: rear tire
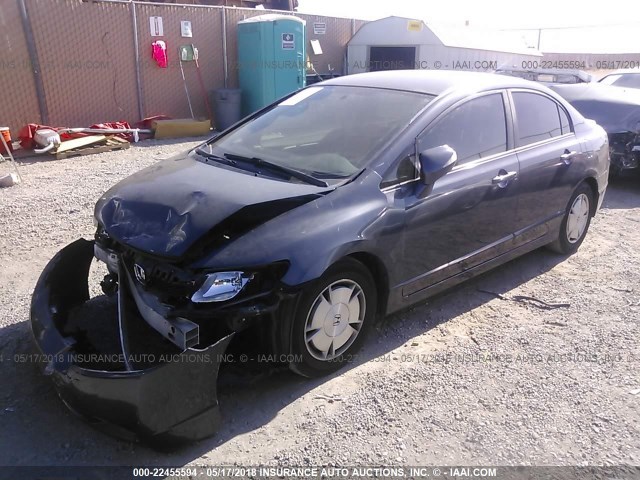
332	318
576	221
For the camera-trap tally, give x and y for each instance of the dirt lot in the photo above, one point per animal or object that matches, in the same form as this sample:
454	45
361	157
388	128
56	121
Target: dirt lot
469	378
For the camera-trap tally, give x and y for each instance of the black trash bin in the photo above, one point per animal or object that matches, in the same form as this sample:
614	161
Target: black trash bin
227	107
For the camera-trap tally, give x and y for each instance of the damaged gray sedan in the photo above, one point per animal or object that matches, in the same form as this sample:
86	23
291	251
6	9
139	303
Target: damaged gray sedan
353	198
616	107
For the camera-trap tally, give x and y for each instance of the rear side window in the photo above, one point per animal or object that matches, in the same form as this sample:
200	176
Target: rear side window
476	129
538	118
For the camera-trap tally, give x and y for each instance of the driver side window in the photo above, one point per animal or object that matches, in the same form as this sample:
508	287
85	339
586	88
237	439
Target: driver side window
476	129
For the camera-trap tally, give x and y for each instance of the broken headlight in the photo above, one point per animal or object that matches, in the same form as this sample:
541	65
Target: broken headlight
221	286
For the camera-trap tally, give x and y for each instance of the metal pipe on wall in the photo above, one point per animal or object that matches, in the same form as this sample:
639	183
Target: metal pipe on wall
136	54
35	62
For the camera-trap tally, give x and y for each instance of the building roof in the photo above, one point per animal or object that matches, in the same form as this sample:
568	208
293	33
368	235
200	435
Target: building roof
406	31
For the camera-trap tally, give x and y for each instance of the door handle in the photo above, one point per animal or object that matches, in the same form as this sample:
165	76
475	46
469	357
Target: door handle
503	179
567	157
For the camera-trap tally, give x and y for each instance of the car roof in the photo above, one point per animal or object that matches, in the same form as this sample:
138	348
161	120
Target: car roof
434	82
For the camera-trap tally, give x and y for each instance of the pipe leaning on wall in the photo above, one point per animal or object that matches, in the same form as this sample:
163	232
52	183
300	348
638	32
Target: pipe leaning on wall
225	60
136	53
35	62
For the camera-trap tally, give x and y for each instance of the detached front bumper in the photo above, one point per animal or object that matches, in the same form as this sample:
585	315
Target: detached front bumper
168	397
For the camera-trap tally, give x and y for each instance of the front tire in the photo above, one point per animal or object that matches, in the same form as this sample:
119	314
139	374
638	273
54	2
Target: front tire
576	221
331	319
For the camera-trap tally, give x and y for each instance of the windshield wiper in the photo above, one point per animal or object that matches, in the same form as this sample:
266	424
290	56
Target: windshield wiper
211	156
310	179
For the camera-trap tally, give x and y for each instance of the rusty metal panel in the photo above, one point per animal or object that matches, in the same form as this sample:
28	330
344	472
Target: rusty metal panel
88	64
163	88
19	104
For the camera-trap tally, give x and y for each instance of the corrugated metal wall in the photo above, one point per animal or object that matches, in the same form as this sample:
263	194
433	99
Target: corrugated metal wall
88	59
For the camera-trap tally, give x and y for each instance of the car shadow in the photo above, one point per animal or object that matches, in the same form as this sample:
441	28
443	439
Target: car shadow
623	193
35	420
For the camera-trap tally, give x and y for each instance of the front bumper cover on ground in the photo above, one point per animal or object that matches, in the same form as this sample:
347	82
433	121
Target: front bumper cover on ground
172	401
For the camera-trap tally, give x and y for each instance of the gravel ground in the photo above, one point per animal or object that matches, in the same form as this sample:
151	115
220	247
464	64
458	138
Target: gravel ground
468	378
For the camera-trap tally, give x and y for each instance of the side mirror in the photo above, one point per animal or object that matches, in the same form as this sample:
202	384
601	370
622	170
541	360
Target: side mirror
436	162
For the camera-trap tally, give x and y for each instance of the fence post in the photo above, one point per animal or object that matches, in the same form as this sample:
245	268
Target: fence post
35	62
225	60
136	53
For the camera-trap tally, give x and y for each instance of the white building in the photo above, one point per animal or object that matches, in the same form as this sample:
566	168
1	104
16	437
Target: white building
396	43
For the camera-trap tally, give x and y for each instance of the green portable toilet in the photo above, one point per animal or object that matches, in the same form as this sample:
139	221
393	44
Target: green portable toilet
271	59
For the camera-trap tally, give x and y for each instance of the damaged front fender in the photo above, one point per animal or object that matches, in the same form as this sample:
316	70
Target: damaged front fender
169	398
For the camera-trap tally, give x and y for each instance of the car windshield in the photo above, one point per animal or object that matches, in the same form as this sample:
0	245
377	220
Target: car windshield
324	131
631	80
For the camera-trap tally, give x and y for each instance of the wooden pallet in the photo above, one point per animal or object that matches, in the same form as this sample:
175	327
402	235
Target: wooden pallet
111	144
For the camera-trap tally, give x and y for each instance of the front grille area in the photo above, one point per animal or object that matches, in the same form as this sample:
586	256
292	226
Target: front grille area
174	285
169	282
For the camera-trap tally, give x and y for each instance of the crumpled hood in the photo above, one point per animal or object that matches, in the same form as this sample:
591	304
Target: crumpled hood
616	109
166	208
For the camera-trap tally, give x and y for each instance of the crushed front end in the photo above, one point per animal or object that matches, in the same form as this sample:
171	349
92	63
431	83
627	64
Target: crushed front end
625	151
142	360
